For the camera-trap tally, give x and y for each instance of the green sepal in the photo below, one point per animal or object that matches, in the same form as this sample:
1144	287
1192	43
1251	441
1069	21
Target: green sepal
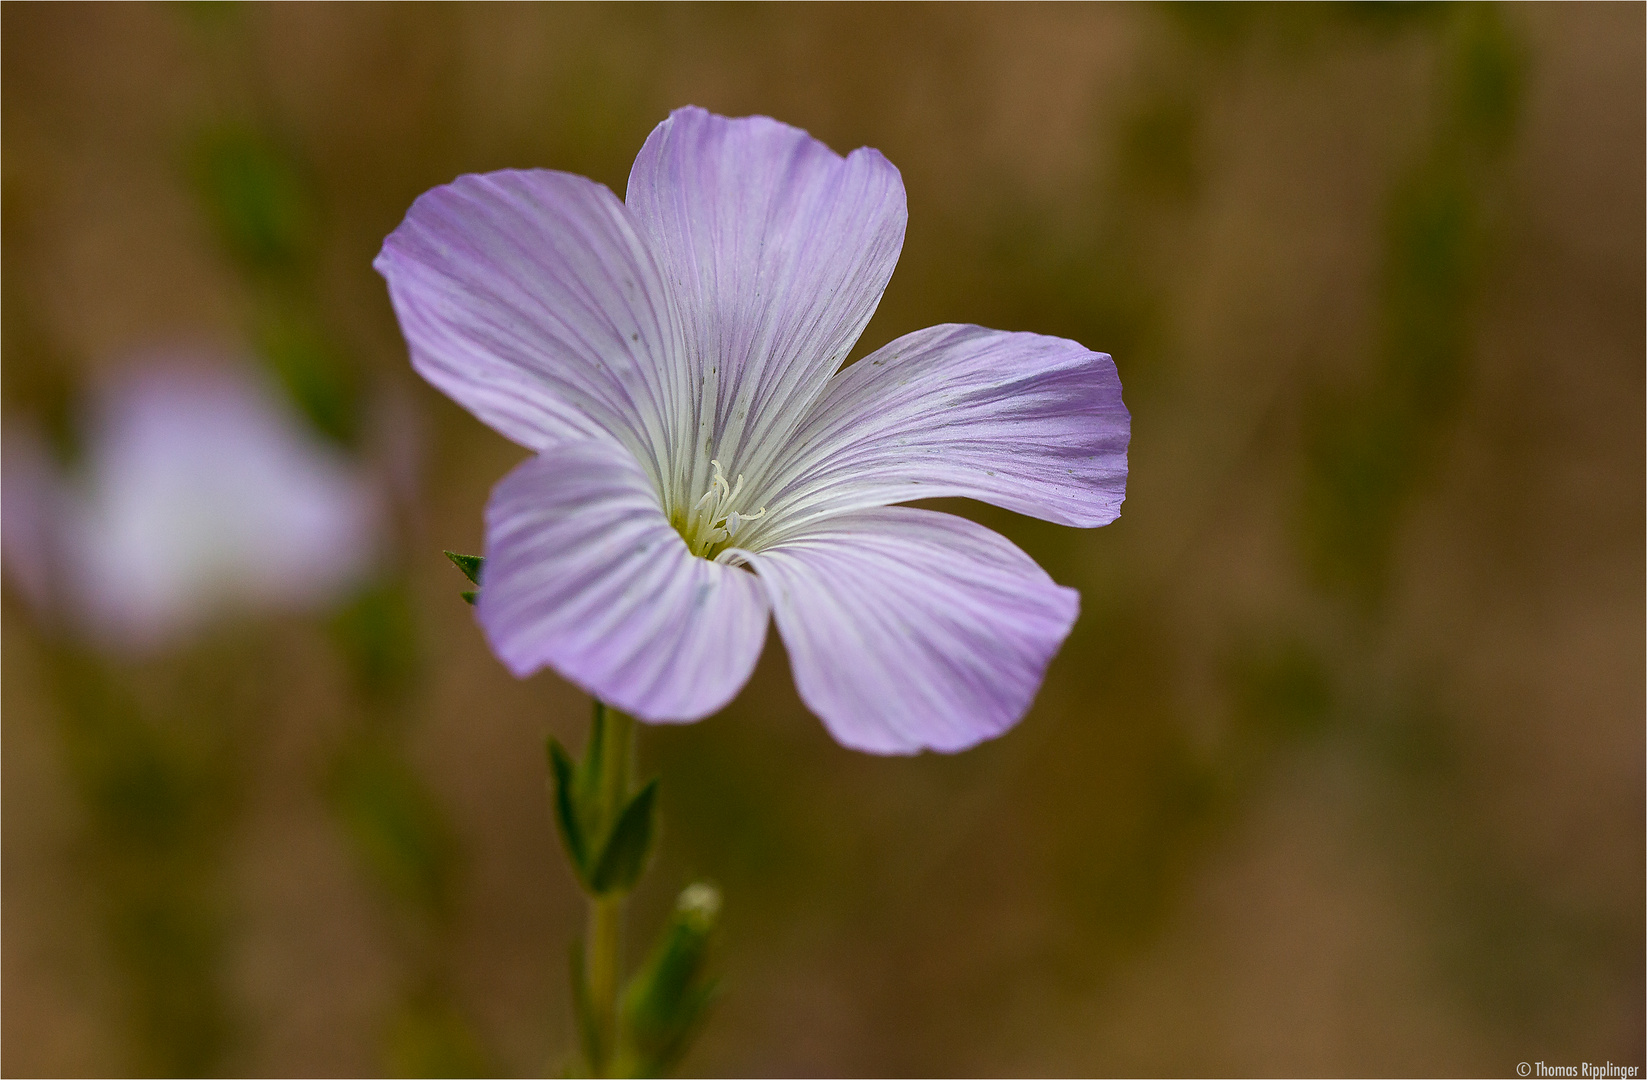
468	596
627	845
567	819
470	565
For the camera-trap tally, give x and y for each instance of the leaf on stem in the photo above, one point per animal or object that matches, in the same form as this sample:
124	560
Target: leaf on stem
470	565
628	845
567	818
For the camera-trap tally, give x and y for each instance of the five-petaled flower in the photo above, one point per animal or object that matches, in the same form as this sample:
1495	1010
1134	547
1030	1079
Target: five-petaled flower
702	460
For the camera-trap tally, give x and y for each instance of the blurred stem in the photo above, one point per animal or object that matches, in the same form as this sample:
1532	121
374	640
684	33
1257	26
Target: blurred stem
605	926
606	912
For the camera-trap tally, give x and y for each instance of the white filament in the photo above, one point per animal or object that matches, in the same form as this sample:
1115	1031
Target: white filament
713	521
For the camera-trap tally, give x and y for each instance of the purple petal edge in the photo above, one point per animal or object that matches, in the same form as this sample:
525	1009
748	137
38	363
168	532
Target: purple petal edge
909	629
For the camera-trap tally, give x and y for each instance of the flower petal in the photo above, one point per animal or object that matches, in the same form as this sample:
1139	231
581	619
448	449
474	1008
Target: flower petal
529	298
910	629
1031	423
584	574
778	250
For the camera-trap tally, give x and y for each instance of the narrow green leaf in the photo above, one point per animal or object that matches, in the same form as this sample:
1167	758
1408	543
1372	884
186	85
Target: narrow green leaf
470	565
566	810
627	845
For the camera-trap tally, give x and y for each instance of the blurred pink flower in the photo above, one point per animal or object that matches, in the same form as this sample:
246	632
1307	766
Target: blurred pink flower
199	494
703	464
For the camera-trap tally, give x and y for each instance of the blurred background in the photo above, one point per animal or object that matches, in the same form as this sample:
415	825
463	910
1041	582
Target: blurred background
1341	771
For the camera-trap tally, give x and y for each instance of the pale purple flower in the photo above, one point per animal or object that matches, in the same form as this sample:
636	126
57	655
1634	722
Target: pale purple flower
702	461
199	494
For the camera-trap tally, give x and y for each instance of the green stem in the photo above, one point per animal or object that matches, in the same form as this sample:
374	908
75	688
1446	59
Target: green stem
605	957
605	942
614	766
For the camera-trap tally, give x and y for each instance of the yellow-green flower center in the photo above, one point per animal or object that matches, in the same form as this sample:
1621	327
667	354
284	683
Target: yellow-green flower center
712	524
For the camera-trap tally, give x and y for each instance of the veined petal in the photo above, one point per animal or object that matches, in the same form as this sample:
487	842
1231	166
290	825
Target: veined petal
778	250
910	629
529	298
583	574
1031	423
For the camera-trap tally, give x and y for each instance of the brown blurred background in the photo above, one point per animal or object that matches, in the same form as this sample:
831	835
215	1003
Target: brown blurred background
1341	771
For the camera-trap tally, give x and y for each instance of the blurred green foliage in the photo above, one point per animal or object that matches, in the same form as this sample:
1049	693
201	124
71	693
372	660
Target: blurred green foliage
1285	688
430	1037
1157	154
398	829
161	792
266	208
256	199
376	633
1369	448
311	369
400	832
39	378
264	214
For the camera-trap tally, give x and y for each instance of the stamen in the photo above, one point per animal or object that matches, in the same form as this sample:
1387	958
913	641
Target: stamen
712	520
